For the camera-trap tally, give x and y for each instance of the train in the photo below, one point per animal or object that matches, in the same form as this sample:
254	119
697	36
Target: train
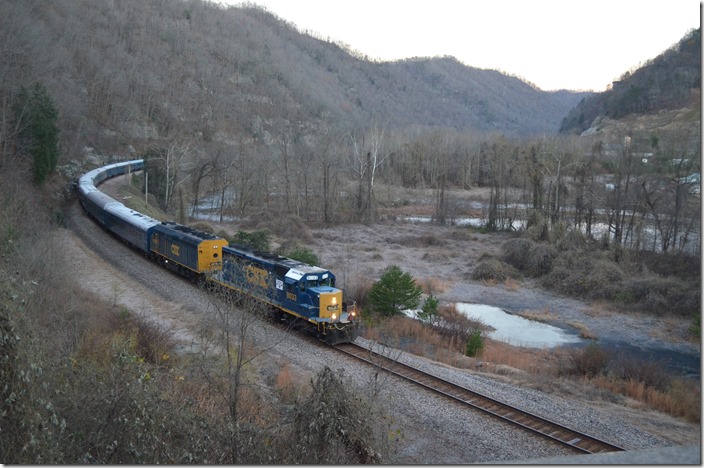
292	291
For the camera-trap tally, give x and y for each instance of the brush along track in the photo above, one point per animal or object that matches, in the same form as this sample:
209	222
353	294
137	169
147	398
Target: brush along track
566	436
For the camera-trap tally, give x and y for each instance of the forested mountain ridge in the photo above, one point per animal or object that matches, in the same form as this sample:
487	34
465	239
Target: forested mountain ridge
667	82
135	70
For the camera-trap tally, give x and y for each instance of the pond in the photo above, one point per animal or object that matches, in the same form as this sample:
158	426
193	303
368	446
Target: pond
518	331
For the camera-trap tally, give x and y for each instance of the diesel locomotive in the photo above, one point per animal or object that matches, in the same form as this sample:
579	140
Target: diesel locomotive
292	290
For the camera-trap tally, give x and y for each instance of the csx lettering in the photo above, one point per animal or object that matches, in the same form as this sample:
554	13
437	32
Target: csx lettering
291	296
256	276
333	307
175	249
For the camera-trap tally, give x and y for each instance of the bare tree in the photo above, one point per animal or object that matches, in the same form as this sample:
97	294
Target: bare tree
176	151
224	180
200	173
501	157
364	162
234	349
671	200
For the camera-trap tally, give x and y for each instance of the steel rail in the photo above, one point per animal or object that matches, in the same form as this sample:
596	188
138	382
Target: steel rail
537	424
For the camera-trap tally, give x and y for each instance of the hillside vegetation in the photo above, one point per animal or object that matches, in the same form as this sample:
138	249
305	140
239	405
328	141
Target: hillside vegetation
667	82
133	70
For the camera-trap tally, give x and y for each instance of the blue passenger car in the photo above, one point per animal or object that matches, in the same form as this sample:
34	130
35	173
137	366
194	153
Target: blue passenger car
129	225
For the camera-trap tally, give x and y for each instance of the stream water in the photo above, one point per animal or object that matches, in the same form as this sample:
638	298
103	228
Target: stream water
516	330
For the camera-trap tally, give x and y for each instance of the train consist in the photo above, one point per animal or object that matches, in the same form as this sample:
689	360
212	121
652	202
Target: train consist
291	289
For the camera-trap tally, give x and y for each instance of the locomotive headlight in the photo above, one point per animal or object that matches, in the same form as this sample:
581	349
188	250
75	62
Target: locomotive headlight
334	300
334	316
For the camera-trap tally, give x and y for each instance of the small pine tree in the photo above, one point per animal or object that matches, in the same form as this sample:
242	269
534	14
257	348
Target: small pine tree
304	255
429	312
258	240
394	292
475	343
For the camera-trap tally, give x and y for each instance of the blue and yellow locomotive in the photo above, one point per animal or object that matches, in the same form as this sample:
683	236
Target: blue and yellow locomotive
290	288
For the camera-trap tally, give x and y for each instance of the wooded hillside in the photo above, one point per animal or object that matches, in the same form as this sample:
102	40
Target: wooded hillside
666	82
143	69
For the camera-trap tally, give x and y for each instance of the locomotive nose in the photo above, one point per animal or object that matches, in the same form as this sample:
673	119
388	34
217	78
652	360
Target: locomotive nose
330	305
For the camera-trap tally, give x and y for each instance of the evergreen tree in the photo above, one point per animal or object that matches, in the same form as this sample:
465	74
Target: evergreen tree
429	312
395	291
304	255
38	117
155	167
475	343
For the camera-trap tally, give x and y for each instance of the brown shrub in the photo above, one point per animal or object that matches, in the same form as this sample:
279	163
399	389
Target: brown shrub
516	252
682	266
658	295
588	362
574	239
583	275
652	374
155	342
357	290
533	259
203	226
289	227
491	268
539	232
540	260
285	385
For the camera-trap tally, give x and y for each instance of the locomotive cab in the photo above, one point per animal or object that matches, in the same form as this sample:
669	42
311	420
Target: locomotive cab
292	289
317	297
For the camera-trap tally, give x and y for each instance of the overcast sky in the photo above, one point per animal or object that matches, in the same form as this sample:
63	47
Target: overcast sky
555	44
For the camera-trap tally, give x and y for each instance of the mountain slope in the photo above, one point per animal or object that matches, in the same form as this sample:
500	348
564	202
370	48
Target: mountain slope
138	70
668	82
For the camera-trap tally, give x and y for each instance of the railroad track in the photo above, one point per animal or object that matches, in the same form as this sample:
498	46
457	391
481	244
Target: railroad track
548	429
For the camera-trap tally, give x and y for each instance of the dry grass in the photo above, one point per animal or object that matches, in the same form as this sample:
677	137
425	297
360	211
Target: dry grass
584	331
529	360
599	309
511	284
288	385
416	338
682	399
433	285
544	315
